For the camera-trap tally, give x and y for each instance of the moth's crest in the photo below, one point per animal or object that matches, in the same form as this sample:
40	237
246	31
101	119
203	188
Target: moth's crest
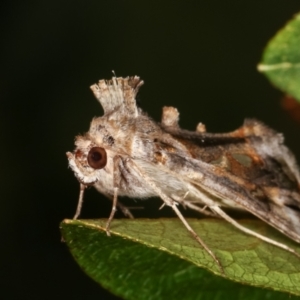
170	117
117	95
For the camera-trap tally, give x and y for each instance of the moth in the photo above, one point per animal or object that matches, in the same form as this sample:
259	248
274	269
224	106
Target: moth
126	153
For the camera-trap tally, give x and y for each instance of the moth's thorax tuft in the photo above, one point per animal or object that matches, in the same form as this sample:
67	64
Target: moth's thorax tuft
117	96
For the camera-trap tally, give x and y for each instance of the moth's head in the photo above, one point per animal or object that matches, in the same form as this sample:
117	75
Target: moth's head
92	159
91	162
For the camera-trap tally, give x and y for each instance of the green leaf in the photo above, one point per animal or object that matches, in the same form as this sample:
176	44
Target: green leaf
159	259
281	59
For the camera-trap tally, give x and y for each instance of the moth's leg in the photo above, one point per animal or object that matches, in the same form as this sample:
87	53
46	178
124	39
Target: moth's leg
202	210
219	211
172	203
196	236
80	201
113	211
125	210
189	204
116	183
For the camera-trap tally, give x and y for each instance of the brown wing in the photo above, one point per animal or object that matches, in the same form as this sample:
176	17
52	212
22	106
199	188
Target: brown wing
251	167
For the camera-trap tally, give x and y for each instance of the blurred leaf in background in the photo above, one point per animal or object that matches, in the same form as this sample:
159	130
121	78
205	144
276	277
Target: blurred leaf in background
281	59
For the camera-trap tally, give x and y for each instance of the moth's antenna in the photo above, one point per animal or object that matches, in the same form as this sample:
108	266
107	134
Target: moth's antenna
114	73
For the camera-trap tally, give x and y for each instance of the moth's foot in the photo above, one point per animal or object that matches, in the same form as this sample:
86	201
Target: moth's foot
107	231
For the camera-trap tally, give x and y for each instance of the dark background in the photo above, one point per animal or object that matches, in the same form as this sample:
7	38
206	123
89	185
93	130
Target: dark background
199	56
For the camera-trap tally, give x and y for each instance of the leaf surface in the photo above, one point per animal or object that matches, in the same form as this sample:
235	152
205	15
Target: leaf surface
159	259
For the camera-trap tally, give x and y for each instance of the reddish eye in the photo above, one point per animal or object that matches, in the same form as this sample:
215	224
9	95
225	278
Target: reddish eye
97	158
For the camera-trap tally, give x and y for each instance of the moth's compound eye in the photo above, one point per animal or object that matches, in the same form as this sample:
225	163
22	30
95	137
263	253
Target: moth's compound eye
97	158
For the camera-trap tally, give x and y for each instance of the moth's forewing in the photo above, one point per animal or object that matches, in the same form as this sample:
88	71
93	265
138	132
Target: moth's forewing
248	168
